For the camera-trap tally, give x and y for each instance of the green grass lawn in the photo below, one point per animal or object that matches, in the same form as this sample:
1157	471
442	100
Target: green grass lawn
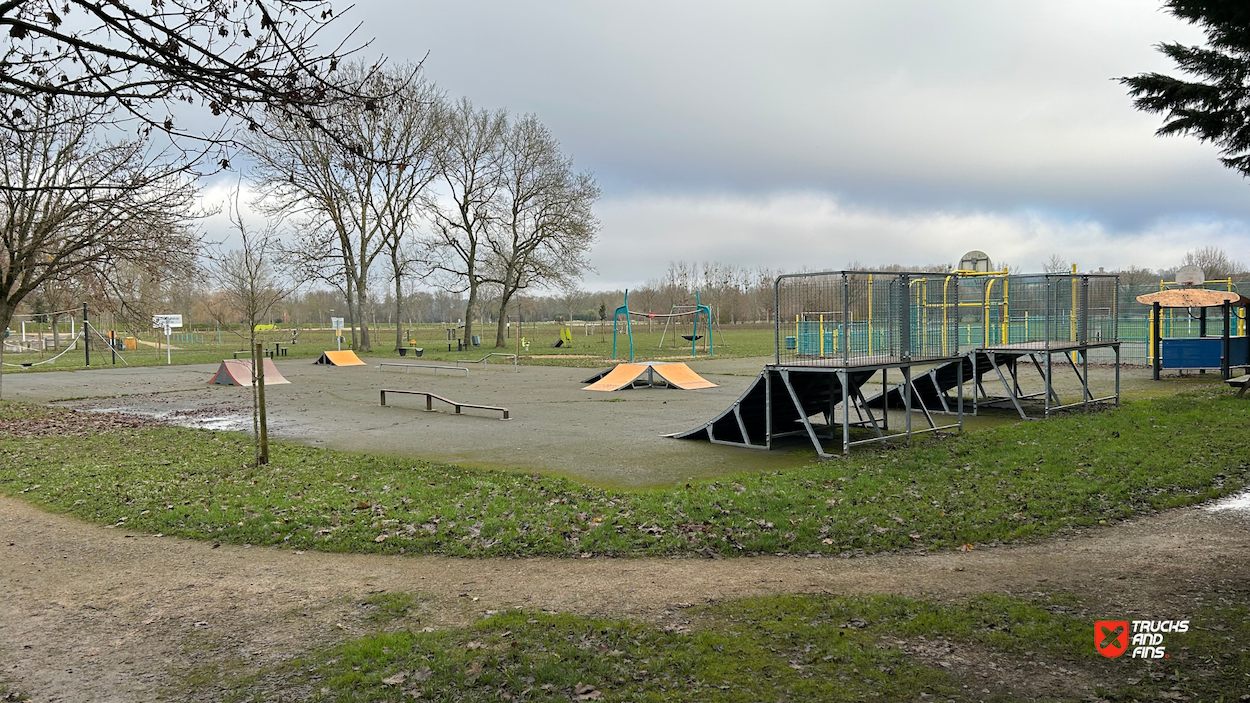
594	350
796	648
1016	482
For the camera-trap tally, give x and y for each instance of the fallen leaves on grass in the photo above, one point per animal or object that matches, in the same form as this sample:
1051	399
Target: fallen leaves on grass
56	423
396	679
586	692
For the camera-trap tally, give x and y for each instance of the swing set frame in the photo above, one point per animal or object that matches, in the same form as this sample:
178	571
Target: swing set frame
697	309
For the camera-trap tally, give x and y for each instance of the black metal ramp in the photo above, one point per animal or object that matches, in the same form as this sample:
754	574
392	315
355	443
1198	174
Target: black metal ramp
746	422
930	387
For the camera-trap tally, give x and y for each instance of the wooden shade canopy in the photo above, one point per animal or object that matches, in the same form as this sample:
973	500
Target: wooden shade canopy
1193	298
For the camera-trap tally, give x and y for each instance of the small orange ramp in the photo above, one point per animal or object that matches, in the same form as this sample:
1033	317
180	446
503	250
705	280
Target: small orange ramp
238	372
616	379
683	377
627	376
339	358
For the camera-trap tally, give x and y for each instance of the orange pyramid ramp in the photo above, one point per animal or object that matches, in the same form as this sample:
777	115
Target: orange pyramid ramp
339	358
681	376
238	372
616	379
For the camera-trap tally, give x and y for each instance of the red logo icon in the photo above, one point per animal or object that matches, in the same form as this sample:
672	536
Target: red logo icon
1111	637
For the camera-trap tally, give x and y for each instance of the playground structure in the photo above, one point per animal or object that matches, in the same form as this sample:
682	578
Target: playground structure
671	375
676	312
1225	350
238	372
346	357
851	327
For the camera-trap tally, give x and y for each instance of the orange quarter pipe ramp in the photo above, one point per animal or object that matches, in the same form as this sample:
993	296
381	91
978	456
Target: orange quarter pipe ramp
346	357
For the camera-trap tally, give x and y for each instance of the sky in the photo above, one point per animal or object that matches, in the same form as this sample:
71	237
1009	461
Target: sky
814	134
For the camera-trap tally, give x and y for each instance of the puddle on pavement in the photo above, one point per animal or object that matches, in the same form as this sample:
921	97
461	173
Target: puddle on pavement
1239	502
200	420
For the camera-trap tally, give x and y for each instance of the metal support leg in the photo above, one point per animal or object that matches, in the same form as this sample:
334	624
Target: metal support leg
960	394
1117	374
768	408
1049	387
1085	367
868	409
907	401
1006	386
811	433
885	402
845	377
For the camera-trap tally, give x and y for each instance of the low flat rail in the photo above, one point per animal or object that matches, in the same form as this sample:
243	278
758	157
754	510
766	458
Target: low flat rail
483	360
436	368
431	397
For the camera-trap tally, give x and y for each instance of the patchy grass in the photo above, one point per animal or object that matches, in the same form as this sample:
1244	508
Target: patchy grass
387	607
887	648
1007	483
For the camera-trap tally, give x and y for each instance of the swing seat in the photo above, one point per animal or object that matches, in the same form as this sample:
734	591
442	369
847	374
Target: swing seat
692	337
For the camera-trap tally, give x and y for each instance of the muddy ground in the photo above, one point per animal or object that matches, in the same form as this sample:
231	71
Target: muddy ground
97	614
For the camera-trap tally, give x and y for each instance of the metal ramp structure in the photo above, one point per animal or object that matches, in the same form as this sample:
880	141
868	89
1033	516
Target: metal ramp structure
997	370
849	327
941	331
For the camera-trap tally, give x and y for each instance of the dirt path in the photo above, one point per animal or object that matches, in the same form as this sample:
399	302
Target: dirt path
94	614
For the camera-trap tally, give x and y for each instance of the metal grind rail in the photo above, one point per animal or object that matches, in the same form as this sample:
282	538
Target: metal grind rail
484	359
431	397
436	368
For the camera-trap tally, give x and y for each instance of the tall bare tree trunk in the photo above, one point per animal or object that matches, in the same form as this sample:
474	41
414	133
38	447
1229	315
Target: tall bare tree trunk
468	310
501	333
399	299
362	307
262	458
351	306
6	317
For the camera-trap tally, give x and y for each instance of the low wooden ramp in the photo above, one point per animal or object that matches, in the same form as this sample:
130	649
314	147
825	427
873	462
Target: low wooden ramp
682	376
339	358
620	377
238	372
674	375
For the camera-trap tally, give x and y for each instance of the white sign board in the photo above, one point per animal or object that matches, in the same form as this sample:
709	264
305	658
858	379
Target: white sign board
336	323
167	321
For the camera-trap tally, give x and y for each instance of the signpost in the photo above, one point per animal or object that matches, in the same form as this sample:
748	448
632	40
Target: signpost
167	323
337	324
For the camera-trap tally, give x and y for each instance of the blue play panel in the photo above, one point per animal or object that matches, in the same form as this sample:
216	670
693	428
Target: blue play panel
1203	353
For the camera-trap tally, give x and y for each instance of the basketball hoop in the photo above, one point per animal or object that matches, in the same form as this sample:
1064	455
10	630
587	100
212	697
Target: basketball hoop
1190	277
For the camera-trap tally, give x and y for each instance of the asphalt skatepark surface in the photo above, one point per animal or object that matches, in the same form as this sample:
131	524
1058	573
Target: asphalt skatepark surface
558	428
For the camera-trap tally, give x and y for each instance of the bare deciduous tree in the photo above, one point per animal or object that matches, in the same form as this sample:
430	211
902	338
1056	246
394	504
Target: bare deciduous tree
1056	264
1214	262
249	289
469	162
544	226
231	57
353	206
76	206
